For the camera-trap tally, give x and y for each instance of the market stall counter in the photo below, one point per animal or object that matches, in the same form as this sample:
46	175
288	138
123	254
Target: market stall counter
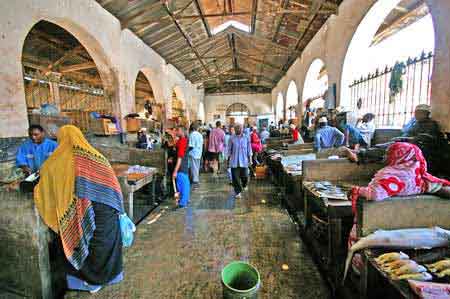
27	269
382	284
327	212
137	169
418	211
132	179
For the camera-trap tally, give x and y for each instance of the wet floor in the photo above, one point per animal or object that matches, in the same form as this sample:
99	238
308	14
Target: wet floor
181	254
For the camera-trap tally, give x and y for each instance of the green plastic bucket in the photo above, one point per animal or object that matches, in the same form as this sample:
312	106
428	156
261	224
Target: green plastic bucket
240	281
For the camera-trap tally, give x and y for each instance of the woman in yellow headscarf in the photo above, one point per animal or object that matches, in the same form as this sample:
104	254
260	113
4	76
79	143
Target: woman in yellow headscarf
79	198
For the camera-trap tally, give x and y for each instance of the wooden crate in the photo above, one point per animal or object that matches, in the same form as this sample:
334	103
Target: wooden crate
133	125
100	126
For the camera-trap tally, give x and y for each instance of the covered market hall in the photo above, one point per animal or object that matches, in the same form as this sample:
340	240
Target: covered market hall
233	149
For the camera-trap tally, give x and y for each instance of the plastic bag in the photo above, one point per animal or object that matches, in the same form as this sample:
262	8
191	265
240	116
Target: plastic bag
127	229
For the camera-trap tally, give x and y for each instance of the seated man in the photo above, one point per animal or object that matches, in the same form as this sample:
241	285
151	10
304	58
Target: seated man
423	124
142	139
33	152
366	127
328	140
361	134
427	134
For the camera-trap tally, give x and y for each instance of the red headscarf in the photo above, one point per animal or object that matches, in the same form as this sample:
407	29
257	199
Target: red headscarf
405	162
402	153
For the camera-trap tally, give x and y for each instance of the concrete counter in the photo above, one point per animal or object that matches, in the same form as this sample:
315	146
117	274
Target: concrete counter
25	264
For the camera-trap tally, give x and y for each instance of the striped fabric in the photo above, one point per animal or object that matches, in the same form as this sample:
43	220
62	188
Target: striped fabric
94	181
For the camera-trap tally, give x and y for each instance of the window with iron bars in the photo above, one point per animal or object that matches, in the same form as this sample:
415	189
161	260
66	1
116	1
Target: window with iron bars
372	93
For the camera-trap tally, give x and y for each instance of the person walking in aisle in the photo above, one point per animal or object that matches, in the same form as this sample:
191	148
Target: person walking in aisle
228	136
239	157
181	171
215	147
195	155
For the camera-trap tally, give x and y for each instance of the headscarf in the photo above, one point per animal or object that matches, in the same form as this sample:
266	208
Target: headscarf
75	175
405	174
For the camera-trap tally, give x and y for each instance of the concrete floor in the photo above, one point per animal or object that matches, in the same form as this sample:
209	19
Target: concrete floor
182	253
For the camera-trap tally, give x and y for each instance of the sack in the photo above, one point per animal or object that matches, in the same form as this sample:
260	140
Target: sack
127	229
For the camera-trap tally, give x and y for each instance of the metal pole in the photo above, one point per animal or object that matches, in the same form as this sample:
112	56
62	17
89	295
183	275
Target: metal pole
385	103
422	60
414	87
430	63
408	79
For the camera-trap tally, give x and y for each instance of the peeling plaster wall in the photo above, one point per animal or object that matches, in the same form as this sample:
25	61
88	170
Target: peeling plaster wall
258	104
332	41
119	56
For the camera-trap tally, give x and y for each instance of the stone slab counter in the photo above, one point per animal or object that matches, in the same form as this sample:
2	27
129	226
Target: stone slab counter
24	255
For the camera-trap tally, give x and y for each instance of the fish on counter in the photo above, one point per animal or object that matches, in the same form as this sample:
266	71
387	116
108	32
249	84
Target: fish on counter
443	273
409	269
439	266
389	267
390	257
422	276
414	238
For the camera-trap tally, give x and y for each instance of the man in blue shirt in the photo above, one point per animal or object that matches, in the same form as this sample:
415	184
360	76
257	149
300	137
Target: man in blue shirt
195	155
239	156
328	142
33	152
327	137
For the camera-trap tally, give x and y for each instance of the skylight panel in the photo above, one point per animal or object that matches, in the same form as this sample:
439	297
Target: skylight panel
235	24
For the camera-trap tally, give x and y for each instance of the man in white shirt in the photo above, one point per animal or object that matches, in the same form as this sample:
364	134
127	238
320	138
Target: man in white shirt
195	153
366	127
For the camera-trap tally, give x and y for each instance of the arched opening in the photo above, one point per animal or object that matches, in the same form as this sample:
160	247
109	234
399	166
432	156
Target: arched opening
177	107
146	105
61	79
388	66
279	109
316	85
237	113
291	100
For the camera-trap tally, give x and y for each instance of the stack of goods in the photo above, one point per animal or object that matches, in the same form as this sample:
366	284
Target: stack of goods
260	171
331	191
137	172
440	268
399	266
293	164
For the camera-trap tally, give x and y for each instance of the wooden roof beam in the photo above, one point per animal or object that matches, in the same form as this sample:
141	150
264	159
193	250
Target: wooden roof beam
78	67
200	12
188	41
276	67
258	38
216	15
284	5
232	44
254	13
63	58
125	23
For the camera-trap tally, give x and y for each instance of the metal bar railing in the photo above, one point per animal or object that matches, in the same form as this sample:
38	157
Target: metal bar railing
373	91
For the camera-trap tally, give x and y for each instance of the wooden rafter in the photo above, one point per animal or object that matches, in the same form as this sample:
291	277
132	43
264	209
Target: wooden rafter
78	67
202	17
188	41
